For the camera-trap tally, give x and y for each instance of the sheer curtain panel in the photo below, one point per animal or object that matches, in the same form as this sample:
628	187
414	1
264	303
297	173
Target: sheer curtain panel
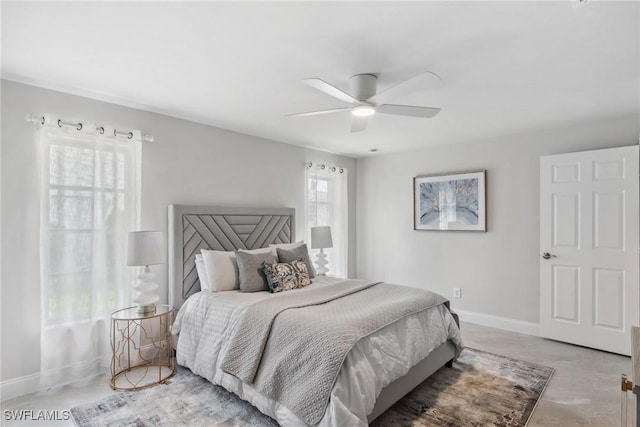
90	196
326	191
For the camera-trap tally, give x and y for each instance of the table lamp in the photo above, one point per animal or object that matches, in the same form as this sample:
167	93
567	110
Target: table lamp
145	248
321	239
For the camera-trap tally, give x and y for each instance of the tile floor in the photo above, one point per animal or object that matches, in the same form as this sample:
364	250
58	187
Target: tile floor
584	390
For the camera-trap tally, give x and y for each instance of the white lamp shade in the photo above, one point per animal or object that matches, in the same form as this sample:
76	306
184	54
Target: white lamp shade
146	248
321	237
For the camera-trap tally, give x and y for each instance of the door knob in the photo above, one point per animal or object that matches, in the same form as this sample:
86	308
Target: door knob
547	255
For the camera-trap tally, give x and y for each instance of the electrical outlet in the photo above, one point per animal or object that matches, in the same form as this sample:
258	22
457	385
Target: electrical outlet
457	292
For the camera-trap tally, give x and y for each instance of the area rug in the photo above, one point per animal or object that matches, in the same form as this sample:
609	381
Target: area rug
482	389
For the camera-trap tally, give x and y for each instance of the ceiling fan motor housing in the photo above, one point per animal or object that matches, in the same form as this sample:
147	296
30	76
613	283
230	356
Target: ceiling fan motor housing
362	86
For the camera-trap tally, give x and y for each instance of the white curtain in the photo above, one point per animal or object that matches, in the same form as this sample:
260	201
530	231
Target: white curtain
327	204
90	197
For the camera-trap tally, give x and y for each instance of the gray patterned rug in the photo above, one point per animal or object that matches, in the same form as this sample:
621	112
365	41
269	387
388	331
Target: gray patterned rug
482	389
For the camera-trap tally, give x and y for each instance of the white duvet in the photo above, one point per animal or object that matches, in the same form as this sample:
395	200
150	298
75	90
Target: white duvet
373	363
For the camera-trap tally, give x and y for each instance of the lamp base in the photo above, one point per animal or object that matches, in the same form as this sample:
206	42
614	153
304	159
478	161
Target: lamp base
145	288
322	269
145	310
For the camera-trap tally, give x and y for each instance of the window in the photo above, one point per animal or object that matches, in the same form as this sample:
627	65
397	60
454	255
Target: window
90	192
327	204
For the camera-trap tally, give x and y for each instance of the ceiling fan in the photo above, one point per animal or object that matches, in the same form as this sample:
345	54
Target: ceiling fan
365	102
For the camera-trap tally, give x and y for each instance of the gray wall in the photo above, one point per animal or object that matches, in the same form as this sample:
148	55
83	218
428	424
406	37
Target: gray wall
497	270
187	163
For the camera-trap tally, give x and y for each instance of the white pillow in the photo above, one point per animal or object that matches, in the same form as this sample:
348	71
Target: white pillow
202	273
221	270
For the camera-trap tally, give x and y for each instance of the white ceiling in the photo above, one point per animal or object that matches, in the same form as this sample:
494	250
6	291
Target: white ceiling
507	67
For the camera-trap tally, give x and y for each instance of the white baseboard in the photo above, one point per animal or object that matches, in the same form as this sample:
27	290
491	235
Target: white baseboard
27	384
20	386
513	325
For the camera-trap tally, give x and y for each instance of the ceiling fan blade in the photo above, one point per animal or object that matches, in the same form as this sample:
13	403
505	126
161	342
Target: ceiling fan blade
325	87
314	113
408	110
421	82
358	123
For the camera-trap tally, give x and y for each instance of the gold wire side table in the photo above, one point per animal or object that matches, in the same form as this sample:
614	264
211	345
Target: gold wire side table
142	355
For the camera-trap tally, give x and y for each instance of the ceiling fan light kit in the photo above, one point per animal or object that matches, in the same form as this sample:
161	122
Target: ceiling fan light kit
364	100
363	111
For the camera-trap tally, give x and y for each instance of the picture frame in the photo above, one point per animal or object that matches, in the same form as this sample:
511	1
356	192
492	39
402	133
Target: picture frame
450	202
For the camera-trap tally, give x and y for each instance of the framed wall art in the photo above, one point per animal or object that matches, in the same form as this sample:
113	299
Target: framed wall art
450	202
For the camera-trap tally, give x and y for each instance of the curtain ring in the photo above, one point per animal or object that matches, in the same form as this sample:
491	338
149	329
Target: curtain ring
333	169
341	170
130	135
322	167
69	124
309	164
101	130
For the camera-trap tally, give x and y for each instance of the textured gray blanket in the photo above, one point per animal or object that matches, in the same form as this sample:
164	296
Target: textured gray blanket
293	355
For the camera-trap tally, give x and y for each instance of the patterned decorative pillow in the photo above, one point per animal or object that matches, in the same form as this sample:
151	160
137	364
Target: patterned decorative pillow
284	276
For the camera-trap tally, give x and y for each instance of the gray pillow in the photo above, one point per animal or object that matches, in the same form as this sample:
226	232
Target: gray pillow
249	272
301	252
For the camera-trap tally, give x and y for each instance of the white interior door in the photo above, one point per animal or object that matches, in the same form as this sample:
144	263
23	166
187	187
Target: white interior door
589	247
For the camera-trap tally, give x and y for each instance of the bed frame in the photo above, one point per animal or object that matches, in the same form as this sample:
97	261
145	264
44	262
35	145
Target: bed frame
192	228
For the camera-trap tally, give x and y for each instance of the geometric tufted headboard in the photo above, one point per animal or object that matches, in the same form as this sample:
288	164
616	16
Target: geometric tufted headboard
192	228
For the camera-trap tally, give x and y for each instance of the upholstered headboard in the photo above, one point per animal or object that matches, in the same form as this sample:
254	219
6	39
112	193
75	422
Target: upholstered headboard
192	228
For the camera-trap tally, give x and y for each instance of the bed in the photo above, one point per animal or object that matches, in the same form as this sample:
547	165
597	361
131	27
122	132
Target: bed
378	369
